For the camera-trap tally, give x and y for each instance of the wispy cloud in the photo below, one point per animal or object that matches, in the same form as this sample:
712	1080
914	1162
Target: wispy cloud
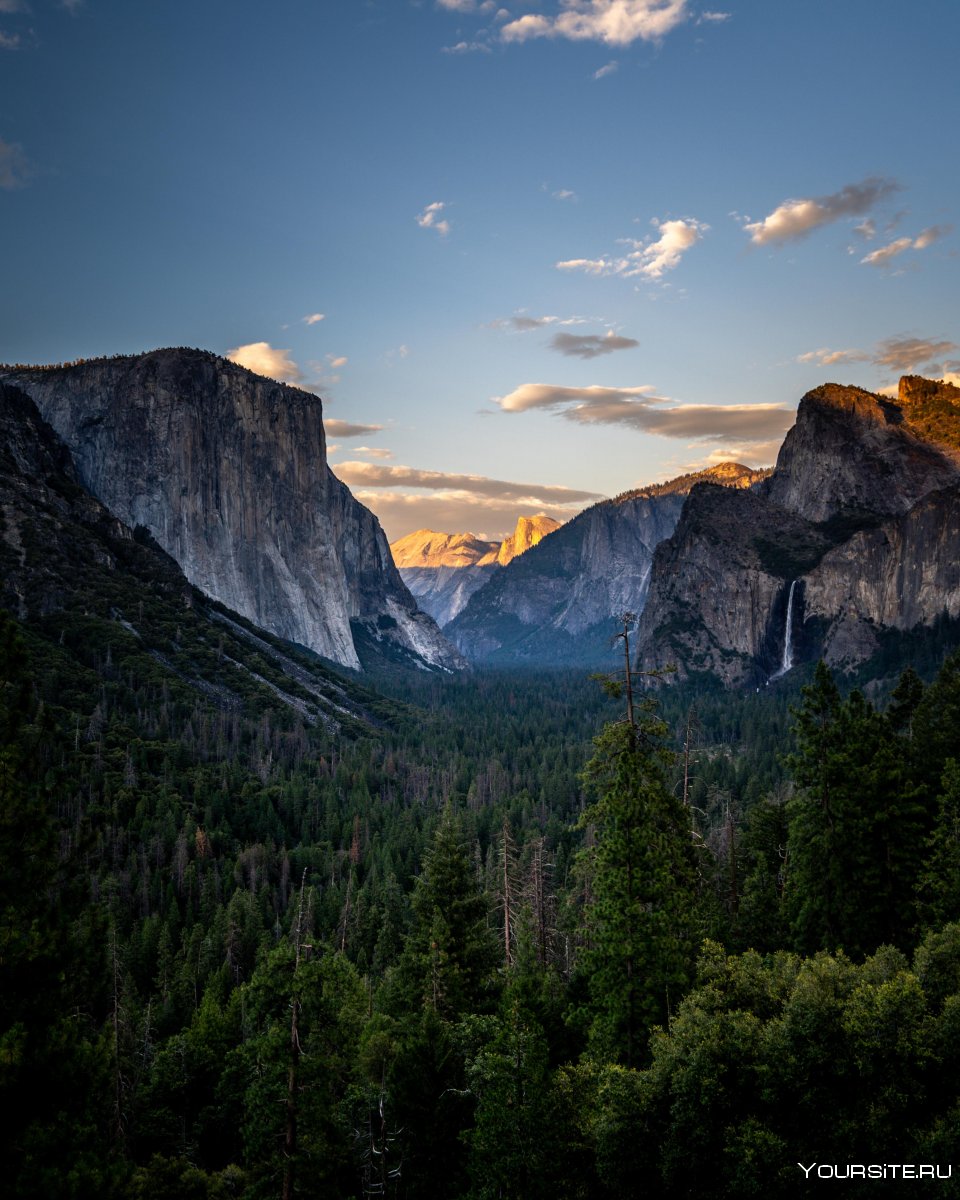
467	6
373	475
640	409
347	429
401	513
650	258
373	451
8	7
712	18
564	194
606	70
15	169
926	237
590	346
522	322
263	359
467	48
10	41
796	218
313	318
430	218
829	358
904	354
613	22
72	5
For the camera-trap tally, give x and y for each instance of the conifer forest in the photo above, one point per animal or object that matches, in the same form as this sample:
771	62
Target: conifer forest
511	935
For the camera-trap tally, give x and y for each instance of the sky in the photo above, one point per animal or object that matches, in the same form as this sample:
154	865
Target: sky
529	254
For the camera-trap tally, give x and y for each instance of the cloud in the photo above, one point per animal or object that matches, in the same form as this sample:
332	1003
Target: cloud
638	408
10	41
263	359
905	354
881	256
564	194
867	229
796	218
373	475
8	7
373	451
15	170
613	22
522	322
590	346
341	361
345	429
72	5
467	48
828	358
467	6
649	259
313	318
712	18
604	71
429	218
927	237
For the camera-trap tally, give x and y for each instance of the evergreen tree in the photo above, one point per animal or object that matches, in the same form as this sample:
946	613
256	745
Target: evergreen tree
641	875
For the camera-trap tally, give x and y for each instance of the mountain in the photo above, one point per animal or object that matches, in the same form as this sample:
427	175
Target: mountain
100	600
855	532
559	602
443	570
228	472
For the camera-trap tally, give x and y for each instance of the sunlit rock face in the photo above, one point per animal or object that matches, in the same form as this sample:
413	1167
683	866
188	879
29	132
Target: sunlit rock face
561	600
530	531
443	570
862	511
228	471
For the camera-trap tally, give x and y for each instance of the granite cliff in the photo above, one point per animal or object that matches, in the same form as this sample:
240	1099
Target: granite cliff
228	472
443	570
559	602
859	522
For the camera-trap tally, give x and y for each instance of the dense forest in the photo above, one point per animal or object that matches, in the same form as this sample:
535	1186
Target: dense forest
501	935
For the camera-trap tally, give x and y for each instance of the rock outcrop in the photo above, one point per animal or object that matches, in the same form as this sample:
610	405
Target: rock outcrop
860	515
228	471
530	531
560	602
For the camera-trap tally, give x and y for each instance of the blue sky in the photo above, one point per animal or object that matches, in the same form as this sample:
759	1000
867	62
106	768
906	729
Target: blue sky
559	249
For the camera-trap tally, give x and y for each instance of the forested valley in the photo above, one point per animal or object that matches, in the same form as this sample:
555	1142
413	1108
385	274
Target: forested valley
504	937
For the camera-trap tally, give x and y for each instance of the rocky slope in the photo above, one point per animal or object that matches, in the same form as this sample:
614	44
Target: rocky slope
228	471
560	601
860	515
443	570
92	591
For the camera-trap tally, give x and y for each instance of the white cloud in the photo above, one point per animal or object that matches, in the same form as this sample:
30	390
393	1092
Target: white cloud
606	70
613	22
564	194
649	259
796	218
639	409
867	229
10	41
712	17
522	322
467	6
828	358
373	451
927	237
15	170
346	429
881	256
467	48
590	346
341	361
263	359
313	318
430	218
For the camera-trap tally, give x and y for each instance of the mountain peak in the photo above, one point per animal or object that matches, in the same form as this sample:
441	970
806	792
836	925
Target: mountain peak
428	548
529	531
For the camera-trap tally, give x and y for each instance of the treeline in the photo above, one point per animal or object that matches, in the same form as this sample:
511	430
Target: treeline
469	954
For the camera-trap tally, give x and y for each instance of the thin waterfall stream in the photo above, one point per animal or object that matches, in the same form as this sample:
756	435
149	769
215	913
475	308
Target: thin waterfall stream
787	661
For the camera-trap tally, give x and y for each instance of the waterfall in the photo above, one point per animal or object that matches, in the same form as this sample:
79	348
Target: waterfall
787	661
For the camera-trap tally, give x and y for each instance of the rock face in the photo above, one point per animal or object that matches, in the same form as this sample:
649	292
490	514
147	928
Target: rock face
228	471
860	515
530	531
443	570
559	602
